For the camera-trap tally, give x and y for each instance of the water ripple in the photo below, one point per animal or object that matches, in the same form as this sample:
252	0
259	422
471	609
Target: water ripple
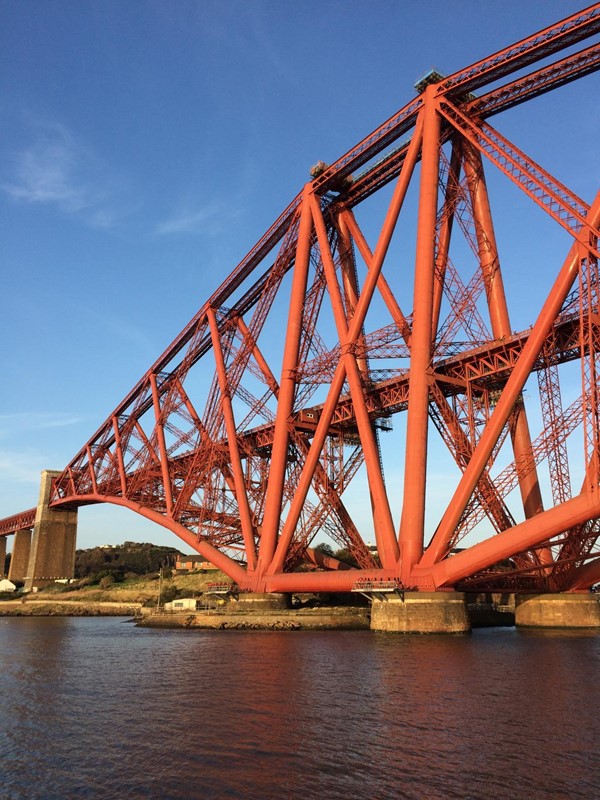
95	708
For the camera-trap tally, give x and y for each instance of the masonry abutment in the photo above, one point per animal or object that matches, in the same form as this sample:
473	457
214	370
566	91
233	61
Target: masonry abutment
421	612
568	611
19	560
2	555
54	538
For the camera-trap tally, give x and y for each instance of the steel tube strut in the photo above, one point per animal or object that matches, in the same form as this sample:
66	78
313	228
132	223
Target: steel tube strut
121	463
382	516
354	330
445	233
212	554
162	446
157	456
501	327
412	523
513	388
287	389
515	540
241	495
383	286
586	576
350	283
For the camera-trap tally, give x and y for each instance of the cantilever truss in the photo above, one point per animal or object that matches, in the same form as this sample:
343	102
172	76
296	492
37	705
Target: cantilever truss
267	422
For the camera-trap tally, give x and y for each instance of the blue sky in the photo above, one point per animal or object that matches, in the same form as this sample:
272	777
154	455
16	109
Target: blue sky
146	146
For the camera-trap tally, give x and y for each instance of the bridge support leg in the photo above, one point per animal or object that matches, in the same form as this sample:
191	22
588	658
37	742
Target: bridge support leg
19	561
421	612
54	536
558	611
2	555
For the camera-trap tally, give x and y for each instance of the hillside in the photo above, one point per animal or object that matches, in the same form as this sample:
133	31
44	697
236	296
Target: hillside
129	573
124	560
136	589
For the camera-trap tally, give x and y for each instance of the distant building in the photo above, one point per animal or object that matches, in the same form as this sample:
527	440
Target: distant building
7	586
185	564
184	604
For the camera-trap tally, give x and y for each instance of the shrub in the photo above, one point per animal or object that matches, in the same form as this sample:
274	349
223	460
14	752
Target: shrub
169	593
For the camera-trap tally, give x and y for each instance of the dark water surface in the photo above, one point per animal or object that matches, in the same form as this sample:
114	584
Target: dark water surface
97	708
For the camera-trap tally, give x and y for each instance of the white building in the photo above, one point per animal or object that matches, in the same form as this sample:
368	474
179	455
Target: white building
185	604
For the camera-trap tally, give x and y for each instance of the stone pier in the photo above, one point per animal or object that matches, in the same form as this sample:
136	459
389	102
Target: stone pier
2	555
54	538
19	561
558	611
256	601
421	612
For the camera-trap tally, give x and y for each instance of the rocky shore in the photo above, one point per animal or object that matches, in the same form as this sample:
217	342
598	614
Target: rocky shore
332	618
323	618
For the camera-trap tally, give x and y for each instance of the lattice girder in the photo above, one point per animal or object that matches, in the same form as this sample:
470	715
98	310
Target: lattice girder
259	427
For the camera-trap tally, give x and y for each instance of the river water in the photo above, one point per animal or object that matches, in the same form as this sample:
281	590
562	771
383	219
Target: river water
97	708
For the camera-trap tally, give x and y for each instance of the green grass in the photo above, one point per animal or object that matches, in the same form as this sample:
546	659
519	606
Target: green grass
141	589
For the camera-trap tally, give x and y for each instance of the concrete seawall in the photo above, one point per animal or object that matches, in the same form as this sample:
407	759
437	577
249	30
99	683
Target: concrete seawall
342	618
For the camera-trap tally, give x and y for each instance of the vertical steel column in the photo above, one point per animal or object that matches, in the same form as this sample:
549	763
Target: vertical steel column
372	280
415	465
287	388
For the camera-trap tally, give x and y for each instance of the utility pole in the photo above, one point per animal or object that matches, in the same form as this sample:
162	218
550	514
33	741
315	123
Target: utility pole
160	577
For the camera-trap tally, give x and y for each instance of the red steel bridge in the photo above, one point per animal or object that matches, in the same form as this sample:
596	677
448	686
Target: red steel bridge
268	421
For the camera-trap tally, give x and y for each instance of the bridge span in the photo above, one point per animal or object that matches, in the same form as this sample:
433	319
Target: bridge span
311	393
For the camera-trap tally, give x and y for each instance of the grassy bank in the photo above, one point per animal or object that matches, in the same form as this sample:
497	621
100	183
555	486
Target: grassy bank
142	590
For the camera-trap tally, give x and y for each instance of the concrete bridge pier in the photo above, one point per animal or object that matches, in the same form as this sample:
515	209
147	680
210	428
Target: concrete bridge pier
54	539
572	611
262	601
421	612
19	560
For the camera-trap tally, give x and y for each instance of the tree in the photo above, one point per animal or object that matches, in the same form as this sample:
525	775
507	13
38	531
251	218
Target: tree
324	548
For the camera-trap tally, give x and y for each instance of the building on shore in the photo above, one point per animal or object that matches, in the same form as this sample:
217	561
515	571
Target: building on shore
185	563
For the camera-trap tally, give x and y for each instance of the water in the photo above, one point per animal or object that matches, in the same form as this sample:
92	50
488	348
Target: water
97	708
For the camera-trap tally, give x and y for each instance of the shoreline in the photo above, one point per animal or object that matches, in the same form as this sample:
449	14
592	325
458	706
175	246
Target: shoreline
321	618
67	608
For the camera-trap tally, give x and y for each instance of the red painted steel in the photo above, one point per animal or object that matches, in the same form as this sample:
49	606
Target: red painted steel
266	424
17	522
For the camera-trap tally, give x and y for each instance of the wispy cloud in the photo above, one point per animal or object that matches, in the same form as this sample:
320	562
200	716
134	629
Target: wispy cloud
210	219
21	467
58	170
123	330
22	422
